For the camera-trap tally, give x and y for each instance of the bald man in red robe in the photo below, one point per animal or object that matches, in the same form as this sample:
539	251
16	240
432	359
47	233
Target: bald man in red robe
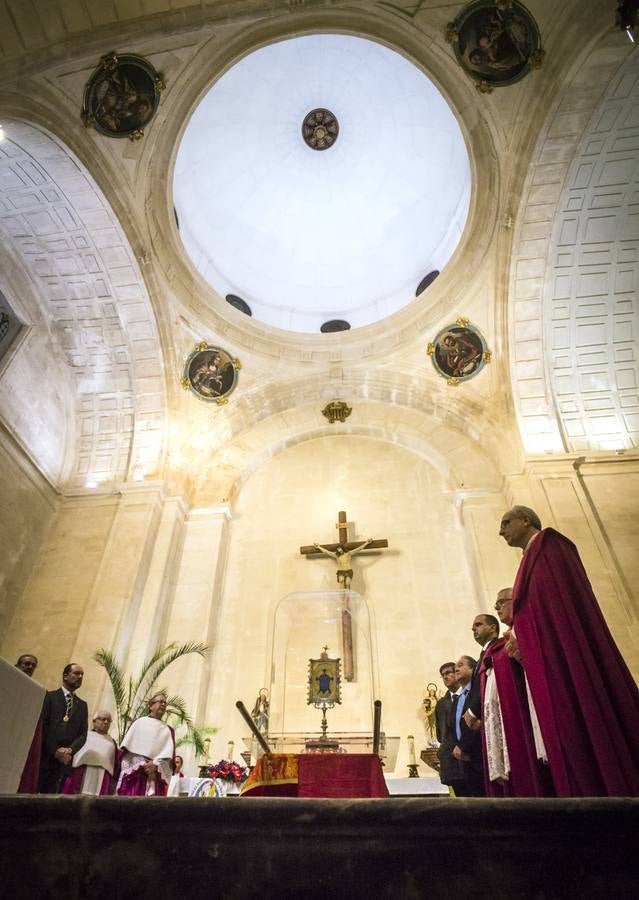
586	700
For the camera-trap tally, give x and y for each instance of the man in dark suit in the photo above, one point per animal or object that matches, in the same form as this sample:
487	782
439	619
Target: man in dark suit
450	769
485	631
467	750
65	722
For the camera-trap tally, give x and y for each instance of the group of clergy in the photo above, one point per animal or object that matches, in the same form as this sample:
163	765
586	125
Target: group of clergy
70	759
550	707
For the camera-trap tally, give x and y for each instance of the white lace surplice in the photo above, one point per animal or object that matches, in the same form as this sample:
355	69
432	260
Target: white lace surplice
496	747
540	748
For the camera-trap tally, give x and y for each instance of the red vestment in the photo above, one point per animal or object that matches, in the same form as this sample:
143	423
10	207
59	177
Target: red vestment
586	699
528	777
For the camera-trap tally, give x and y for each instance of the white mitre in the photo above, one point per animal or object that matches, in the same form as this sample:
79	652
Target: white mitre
149	737
97	750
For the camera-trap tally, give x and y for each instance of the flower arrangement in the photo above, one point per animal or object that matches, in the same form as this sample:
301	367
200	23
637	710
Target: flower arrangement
226	770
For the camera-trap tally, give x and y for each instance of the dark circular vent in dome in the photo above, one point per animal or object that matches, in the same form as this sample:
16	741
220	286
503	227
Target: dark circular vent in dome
426	282
238	303
335	325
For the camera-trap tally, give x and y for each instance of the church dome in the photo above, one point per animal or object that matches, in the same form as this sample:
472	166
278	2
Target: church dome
318	179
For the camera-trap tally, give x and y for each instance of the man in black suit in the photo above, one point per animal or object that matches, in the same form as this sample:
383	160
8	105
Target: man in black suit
467	750
65	722
450	769
485	631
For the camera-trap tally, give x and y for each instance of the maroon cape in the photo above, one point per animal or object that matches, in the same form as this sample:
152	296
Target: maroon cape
586	700
31	772
528	777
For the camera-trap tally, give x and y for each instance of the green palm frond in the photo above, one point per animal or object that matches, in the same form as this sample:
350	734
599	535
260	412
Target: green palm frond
194	737
155	666
116	676
132	694
157	655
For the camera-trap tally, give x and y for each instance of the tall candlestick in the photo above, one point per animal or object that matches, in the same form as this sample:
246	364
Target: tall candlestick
229	752
412	760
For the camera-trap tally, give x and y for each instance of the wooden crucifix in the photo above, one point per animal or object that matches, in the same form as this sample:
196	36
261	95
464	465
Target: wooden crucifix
342	553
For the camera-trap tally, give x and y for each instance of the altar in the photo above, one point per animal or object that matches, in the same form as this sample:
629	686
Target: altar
322	775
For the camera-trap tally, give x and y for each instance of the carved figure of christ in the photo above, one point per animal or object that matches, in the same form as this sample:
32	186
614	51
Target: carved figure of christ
342	553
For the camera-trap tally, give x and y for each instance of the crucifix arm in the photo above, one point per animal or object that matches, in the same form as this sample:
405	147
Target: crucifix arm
325	550
361	546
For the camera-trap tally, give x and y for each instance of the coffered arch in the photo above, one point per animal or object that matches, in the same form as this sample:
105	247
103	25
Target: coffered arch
58	224
574	276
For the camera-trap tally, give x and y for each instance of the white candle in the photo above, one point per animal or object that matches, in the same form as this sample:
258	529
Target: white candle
412	761
229	752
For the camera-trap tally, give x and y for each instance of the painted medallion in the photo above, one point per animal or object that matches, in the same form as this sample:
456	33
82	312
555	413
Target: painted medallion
210	373
496	42
122	96
459	352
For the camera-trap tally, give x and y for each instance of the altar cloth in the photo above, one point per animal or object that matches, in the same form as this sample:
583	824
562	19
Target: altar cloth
316	775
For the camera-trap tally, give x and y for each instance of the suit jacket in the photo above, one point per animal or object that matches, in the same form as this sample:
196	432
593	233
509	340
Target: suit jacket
58	733
470	741
451	770
474	704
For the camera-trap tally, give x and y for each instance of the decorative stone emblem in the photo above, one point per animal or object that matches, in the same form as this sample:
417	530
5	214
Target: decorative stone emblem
459	352
122	96
337	411
210	373
320	129
496	42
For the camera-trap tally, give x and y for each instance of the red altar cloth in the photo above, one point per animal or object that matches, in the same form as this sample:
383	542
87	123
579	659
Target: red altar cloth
317	775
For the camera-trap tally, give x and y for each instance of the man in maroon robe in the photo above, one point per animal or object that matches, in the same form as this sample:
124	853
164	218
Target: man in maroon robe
511	764
586	700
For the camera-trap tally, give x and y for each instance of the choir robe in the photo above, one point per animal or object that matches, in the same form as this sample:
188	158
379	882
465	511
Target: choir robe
586	700
147	740
93	766
524	775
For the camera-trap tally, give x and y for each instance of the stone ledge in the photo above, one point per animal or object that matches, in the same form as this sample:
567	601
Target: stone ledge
111	848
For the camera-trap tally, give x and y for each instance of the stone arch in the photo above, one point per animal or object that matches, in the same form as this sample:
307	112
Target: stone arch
456	435
57	223
565	387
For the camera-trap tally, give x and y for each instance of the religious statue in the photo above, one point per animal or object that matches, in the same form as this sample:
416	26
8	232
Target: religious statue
259	713
342	557
430	702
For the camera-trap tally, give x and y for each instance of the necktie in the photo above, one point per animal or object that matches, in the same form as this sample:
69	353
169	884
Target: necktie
458	712
69	703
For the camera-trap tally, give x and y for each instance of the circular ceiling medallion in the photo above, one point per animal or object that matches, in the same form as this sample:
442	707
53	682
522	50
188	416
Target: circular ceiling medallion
320	129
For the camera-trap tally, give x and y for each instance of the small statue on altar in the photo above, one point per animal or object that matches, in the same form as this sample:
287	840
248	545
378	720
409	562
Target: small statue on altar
259	713
430	703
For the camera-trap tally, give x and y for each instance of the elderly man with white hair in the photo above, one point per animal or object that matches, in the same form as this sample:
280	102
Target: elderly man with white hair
148	752
94	764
